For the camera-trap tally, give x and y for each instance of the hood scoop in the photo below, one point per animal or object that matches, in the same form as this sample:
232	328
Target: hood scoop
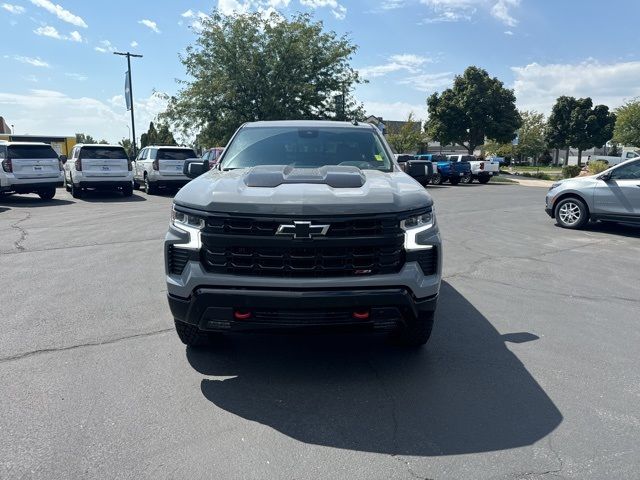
335	176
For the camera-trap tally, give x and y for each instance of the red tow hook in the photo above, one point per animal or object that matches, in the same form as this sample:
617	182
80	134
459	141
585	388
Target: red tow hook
240	315
361	314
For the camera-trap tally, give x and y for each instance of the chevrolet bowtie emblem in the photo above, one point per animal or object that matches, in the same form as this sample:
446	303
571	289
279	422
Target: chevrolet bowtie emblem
302	230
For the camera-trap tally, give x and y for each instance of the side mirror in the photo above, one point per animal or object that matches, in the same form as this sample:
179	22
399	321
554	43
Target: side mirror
605	177
193	169
63	159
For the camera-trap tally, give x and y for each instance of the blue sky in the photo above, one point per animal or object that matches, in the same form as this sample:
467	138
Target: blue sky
60	77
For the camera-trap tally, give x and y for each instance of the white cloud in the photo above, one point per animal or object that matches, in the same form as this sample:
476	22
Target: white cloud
51	32
338	10
501	11
15	9
407	62
105	46
150	24
395	110
391	4
508	32
229	7
38	112
429	82
61	13
537	86
465	10
36	62
188	14
76	76
134	44
196	18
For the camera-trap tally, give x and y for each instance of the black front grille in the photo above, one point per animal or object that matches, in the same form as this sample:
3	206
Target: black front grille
301	317
351	247
178	258
268	227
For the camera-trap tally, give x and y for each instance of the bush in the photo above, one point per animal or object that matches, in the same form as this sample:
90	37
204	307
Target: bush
571	171
597	167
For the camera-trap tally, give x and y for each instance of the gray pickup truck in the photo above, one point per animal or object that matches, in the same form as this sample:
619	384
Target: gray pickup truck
303	226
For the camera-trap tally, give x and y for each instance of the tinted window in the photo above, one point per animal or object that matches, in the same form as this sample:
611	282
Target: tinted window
627	172
103	153
306	148
439	158
405	158
31	151
175	154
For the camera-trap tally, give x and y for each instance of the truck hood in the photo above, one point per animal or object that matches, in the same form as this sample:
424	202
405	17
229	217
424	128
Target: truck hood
380	192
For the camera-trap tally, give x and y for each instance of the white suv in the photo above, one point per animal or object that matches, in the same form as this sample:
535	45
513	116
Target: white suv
30	167
98	166
156	167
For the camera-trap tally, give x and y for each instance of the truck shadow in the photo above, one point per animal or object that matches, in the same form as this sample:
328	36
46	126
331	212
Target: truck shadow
465	393
31	201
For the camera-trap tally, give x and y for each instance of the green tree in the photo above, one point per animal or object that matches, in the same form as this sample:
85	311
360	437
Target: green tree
150	137
476	108
128	147
531	139
627	130
576	123
492	147
246	67
408	137
164	136
82	138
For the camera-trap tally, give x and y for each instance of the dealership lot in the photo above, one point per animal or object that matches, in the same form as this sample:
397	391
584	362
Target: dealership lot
532	371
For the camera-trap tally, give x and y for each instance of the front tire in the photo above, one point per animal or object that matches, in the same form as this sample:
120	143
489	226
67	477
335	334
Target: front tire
192	336
416	331
437	179
571	213
467	179
47	194
76	191
127	190
149	187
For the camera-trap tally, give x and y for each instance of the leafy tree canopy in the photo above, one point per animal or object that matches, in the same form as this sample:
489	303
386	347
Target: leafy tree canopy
248	67
408	137
627	129
160	136
476	108
531	134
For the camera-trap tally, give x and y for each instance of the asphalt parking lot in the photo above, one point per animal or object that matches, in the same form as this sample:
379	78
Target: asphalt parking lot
532	370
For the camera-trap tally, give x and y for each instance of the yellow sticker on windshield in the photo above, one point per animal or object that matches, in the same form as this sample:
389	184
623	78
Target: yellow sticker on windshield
379	158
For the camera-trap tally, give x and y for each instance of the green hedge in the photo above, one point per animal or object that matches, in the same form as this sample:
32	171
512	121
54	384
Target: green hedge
597	167
571	171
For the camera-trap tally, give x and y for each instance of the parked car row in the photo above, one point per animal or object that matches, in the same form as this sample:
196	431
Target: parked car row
455	169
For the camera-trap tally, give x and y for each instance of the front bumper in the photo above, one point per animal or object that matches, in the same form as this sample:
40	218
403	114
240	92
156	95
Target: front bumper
214	309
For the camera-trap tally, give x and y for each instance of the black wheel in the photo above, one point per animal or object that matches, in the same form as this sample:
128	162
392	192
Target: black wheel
136	185
454	180
76	192
416	331
437	179
467	179
47	194
67	187
127	190
192	336
571	213
149	187
484	180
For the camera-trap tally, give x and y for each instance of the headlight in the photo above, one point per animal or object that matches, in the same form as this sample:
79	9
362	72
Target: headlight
182	219
418	221
416	231
189	223
555	185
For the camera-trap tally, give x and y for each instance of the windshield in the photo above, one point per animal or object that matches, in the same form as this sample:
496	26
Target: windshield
175	154
306	148
31	151
103	153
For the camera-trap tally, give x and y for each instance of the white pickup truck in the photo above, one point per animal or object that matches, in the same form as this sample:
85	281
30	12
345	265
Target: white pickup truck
481	170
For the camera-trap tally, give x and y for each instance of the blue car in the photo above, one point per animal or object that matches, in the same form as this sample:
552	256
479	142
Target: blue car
447	170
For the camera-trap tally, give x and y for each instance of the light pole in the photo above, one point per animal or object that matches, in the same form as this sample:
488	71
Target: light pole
129	95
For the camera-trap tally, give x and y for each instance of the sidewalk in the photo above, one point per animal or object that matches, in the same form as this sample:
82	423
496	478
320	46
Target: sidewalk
529	182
